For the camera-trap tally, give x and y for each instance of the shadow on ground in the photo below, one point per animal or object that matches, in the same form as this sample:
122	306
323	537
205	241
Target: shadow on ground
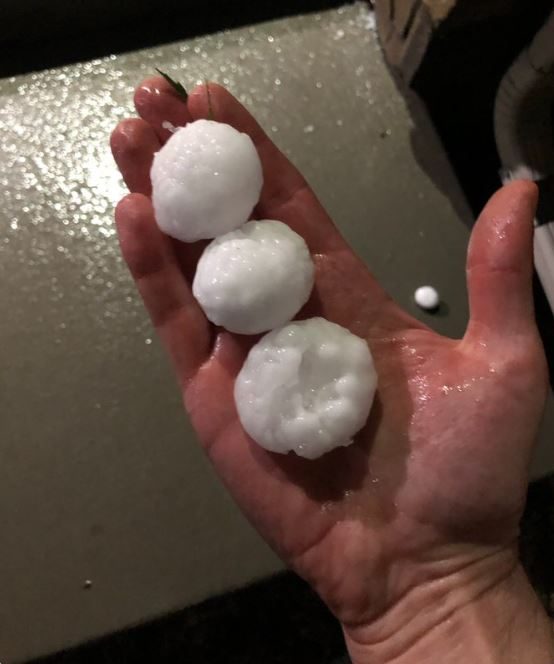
279	620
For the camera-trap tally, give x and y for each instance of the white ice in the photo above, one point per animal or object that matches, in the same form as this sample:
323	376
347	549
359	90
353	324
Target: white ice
255	278
427	297
306	387
205	181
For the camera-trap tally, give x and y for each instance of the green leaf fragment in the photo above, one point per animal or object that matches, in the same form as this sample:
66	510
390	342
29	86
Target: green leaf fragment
210	107
179	89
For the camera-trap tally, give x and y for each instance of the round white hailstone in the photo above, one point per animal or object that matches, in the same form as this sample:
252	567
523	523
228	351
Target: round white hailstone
427	297
306	387
255	278
205	181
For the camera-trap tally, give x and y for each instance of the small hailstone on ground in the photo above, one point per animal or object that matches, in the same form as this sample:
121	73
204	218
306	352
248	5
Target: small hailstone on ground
427	297
306	387
205	181
255	278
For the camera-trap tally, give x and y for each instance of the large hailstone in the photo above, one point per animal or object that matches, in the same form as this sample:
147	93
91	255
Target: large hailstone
205	181
255	278
306	387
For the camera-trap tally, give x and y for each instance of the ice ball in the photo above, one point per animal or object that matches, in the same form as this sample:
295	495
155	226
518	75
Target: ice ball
306	387
427	297
255	278
206	180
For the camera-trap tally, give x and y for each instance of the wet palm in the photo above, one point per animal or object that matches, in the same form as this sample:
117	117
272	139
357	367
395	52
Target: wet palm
436	480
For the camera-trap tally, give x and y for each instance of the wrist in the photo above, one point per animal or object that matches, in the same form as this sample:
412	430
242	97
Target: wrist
486	614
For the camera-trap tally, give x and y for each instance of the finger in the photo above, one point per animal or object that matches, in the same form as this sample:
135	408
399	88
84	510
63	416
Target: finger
285	195
166	294
133	143
500	262
157	103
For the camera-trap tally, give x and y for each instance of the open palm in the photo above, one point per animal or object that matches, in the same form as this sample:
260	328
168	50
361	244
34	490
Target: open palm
435	483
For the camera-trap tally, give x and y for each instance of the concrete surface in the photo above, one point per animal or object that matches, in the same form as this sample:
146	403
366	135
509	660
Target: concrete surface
100	476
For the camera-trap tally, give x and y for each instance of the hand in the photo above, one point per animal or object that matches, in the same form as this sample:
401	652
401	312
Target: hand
424	506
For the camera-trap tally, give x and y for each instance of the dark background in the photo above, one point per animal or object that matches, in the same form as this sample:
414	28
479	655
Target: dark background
38	34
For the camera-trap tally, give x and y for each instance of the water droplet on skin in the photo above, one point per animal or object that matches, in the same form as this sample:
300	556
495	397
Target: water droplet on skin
169	126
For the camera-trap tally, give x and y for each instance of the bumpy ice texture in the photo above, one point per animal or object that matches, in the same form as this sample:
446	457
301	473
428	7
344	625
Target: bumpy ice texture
255	278
306	387
205	181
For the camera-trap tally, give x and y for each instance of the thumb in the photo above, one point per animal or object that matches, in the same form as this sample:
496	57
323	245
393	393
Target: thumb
500	263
